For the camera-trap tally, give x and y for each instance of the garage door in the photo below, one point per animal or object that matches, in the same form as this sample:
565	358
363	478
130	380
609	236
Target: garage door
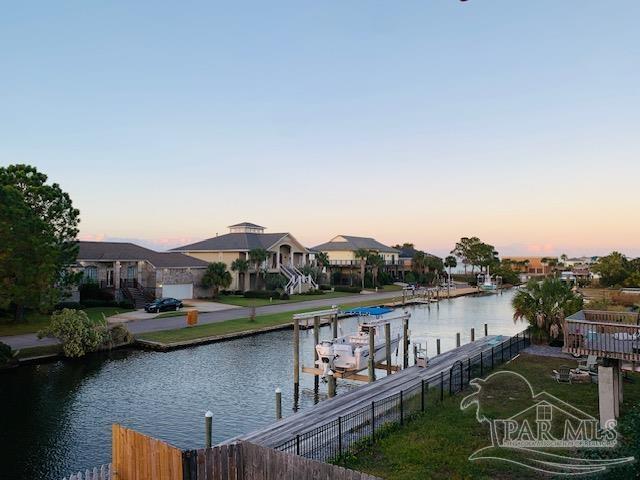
179	291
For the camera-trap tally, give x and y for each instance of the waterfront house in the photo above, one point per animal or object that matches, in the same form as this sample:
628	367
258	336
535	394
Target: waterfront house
340	251
128	271
286	255
530	266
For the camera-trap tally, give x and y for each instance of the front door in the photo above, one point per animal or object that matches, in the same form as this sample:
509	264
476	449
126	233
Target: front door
110	277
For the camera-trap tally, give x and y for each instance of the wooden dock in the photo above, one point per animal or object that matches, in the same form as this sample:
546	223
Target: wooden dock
328	410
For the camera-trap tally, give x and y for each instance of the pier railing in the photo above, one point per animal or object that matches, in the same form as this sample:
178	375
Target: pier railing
347	433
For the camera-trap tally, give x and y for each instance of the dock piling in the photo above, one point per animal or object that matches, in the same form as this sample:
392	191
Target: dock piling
331	380
457	339
387	341
473	334
208	426
296	357
316	341
278	404
486	330
405	345
372	355
438	346
334	323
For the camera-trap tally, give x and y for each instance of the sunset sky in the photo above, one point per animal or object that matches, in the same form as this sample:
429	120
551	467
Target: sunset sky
419	121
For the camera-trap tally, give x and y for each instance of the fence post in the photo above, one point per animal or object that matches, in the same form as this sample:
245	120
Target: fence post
468	370
502	352
492	355
373	422
401	409
481	365
298	444
422	395
451	381
442	386
461	376
340	435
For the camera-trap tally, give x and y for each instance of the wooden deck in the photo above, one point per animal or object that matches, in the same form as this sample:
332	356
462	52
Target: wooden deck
342	404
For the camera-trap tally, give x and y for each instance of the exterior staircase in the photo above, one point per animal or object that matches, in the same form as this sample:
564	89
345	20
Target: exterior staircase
136	296
297	281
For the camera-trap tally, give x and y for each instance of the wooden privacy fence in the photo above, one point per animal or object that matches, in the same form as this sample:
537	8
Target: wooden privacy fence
248	461
138	457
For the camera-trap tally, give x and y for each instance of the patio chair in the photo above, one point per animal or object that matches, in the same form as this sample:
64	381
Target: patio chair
589	363
563	374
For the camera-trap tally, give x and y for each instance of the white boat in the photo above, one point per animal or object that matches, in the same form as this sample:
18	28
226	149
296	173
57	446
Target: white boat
350	353
486	283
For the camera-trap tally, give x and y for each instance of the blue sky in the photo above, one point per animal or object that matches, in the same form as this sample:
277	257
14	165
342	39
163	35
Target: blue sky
408	121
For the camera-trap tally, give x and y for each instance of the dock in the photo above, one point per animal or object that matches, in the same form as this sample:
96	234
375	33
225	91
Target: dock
343	404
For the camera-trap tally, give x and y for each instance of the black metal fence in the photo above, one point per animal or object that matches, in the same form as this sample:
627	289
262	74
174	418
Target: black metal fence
339	436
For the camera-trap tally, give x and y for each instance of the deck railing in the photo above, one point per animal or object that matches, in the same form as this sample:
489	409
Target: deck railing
602	316
347	433
619	341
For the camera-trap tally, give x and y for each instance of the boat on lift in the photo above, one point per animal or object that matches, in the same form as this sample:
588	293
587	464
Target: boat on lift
488	284
350	353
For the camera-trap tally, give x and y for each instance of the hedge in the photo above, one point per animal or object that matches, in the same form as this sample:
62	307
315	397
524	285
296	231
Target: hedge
341	288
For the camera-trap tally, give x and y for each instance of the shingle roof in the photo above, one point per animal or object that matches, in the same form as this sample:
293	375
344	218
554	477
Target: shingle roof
410	252
234	242
130	251
354	243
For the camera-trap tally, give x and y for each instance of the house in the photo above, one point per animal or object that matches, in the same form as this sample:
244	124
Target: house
340	251
406	260
286	255
530	266
127	270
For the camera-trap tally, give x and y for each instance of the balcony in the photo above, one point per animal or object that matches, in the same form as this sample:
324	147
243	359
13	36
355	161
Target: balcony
614	335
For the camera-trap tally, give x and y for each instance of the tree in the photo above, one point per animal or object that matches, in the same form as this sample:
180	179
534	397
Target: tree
613	269
241	266
77	333
38	229
450	262
322	259
545	305
362	254
377	262
216	276
258	256
466	250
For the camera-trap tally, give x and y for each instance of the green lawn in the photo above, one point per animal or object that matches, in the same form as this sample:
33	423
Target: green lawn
437	444
37	321
241	301
230	326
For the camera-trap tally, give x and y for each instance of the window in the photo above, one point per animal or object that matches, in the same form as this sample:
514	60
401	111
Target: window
91	274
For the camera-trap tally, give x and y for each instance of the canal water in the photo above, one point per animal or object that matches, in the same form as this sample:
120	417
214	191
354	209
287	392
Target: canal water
56	417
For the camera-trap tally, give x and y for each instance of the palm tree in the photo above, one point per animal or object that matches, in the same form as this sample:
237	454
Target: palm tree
450	262
258	256
216	276
362	254
241	266
322	259
545	305
419	262
376	261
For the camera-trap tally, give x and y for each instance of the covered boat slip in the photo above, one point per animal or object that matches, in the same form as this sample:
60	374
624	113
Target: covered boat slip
343	404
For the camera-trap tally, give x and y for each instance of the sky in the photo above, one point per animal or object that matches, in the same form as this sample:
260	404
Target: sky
415	121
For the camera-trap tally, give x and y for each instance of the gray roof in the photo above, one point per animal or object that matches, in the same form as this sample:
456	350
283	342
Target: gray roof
354	243
246	224
234	242
111	251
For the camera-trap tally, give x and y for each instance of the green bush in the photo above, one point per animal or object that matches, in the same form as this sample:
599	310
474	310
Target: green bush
315	292
341	288
275	281
99	303
119	335
6	355
70	305
126	304
261	294
75	331
324	287
92	291
284	296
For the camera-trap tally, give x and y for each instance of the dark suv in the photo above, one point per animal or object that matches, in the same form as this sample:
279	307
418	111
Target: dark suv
163	305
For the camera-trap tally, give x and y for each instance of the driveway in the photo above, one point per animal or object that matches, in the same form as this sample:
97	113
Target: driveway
199	305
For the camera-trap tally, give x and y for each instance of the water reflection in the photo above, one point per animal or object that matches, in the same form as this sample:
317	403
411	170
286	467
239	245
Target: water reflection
56	418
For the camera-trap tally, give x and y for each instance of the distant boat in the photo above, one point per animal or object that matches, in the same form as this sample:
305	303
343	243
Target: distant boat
486	283
350	353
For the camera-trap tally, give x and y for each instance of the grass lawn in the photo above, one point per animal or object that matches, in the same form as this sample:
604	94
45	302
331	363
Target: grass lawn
241	301
37	321
437	444
230	326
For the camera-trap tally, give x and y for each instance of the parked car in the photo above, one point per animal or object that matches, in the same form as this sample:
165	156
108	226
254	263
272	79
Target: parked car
163	305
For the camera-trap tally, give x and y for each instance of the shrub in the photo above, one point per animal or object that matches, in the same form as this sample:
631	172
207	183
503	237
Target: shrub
274	281
284	296
75	331
315	292
261	294
70	305
92	291
98	303
119	335
324	287
128	304
341	288
6	355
